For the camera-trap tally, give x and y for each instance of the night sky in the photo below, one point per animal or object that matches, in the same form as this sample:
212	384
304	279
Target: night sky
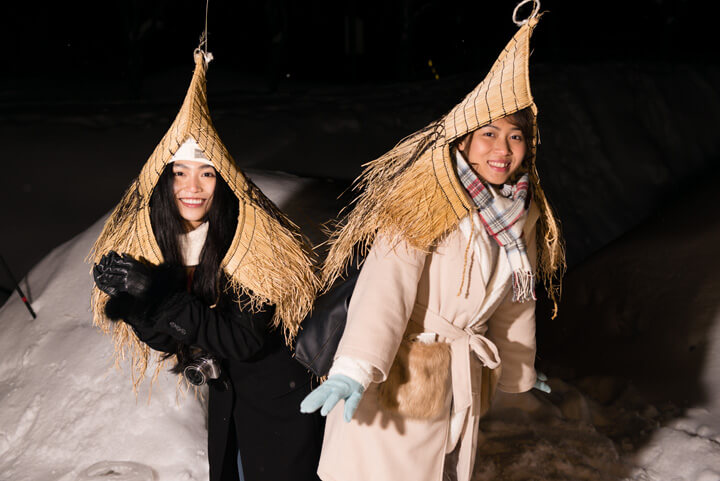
340	41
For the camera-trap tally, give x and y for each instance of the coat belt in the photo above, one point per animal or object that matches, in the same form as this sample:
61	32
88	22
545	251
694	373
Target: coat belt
462	343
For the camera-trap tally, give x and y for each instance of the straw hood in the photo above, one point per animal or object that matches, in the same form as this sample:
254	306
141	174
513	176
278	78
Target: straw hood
413	192
268	258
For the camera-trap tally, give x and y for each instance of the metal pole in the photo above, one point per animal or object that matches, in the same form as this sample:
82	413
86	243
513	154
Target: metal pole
17	287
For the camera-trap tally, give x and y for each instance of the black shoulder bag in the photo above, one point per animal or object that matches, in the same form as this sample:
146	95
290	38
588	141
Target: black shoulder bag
321	331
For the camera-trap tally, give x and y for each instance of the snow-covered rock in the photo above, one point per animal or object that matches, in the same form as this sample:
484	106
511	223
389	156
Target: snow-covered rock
65	408
67	413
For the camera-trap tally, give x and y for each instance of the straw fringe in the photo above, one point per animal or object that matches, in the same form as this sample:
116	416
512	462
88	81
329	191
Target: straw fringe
271	264
397	199
551	246
269	260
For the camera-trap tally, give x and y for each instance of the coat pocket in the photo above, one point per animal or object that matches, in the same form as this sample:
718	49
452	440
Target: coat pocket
418	384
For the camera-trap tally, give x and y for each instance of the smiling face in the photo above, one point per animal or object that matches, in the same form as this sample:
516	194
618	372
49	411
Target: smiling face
193	187
495	151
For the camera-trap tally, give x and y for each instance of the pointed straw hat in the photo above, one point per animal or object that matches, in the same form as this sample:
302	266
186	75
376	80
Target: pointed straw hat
268	258
413	192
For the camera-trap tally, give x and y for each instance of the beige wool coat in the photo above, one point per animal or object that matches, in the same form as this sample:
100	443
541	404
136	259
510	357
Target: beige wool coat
459	293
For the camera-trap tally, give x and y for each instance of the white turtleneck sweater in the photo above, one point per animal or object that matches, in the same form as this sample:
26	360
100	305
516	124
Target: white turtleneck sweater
191	244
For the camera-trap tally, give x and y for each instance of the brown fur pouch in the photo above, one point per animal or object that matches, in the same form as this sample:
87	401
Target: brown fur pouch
418	384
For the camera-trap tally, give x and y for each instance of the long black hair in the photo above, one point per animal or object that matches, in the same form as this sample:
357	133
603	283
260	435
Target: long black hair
208	280
168	225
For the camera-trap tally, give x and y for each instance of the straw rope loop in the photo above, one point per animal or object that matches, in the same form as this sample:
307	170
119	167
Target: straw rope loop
533	14
207	56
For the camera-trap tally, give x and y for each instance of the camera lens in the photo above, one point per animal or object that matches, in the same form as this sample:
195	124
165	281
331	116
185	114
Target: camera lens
194	375
201	370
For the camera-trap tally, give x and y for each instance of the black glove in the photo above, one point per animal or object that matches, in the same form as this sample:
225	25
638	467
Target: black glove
116	274
136	289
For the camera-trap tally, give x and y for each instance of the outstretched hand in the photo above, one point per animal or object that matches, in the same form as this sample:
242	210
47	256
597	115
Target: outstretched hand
329	393
540	383
116	273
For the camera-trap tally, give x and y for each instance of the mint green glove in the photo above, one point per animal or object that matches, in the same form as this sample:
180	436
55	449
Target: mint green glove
328	394
540	383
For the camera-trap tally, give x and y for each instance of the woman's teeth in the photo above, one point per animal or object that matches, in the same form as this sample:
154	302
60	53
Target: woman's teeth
499	165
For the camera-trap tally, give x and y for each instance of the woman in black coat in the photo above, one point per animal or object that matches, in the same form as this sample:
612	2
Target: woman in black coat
182	307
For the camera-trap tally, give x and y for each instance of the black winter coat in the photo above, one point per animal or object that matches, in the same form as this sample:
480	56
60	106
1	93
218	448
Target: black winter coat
255	405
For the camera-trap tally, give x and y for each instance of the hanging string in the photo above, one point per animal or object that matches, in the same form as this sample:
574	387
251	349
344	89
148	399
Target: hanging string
203	46
533	14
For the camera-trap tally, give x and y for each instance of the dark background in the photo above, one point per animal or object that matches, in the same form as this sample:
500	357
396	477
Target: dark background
333	42
88	88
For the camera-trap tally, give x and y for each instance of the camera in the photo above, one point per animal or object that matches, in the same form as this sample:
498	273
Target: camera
201	370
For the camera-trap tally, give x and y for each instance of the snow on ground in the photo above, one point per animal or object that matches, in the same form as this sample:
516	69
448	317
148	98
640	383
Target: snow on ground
65	408
633	359
600	429
636	400
68	415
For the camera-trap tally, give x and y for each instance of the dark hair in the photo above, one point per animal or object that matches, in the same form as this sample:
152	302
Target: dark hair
168	225
523	119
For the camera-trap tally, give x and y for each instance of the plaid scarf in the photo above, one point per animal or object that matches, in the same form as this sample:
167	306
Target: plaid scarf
503	213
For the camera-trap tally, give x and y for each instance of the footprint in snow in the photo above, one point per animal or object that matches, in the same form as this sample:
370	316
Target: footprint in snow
117	471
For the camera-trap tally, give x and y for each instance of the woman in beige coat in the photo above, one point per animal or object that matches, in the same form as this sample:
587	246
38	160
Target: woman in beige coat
443	309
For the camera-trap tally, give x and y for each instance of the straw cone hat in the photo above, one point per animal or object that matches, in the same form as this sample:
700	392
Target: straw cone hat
268	258
413	192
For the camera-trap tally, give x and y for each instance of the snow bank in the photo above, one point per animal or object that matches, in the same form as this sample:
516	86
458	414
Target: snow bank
65	408
634	358
69	415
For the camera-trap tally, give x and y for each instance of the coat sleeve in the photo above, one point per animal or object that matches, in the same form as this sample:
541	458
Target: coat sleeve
381	304
169	314
156	340
230	332
512	329
136	313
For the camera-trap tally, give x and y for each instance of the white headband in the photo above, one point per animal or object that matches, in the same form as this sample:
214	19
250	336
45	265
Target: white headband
190	150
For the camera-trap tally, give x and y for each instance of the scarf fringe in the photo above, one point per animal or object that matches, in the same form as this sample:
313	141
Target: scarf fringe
523	286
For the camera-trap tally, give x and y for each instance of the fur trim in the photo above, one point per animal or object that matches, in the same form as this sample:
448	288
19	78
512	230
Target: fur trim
418	384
